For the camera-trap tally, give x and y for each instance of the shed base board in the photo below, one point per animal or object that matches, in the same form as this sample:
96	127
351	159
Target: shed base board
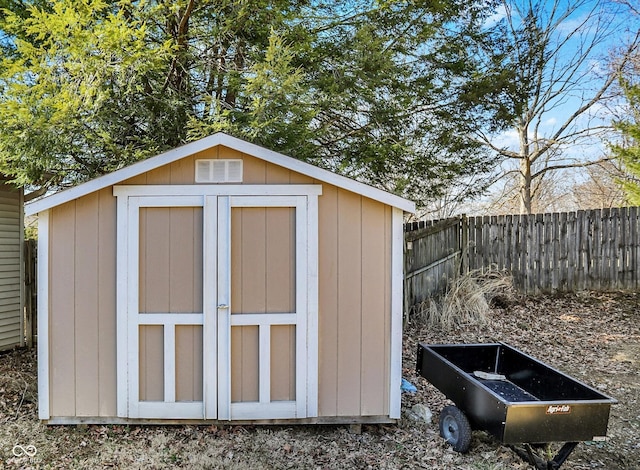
75	420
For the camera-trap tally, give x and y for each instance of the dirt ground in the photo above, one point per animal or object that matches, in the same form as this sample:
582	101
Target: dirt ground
594	337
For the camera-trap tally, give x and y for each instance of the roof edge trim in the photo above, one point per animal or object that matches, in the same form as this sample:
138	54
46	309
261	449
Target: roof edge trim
226	140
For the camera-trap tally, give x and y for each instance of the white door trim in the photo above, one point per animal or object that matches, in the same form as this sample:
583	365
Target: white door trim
216	201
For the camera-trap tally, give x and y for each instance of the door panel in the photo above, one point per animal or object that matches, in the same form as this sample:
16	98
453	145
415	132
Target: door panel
283	362
151	363
267	307
245	360
189	367
170	266
263	259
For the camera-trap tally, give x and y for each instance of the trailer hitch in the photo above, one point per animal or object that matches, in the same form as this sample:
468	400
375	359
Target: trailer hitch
534	459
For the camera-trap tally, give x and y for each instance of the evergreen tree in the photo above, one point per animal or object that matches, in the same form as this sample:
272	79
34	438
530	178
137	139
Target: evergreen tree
369	89
628	151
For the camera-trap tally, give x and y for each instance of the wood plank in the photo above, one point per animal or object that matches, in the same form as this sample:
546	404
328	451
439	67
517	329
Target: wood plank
562	268
581	237
183	171
349	303
539	251
280	259
283	363
599	234
388	323
155	255
189	372
486	243
185	260
245	380
623	248
86	306
253	281
614	247
151	363
255	170
328	301
107	303
547	253
277	175
61	295
473	243
501	246
374	308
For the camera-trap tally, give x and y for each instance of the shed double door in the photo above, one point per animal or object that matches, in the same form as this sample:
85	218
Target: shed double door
217	307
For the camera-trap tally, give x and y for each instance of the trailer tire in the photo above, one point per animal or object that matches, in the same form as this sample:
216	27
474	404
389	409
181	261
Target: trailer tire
455	428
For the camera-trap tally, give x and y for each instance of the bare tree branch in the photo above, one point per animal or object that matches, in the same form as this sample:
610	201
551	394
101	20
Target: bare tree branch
554	51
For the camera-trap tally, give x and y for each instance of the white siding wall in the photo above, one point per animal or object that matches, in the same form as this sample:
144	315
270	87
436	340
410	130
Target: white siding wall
10	267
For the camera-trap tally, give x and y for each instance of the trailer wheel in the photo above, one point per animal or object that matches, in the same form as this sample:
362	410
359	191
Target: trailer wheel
455	428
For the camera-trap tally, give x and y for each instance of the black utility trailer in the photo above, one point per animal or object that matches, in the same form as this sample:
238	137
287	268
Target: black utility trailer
514	397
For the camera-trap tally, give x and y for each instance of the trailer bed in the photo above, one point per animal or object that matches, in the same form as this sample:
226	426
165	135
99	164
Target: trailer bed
530	403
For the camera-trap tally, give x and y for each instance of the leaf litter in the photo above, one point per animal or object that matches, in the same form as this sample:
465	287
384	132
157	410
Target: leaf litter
594	337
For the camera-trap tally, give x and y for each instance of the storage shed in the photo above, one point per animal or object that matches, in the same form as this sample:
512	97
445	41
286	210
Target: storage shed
220	281
11	266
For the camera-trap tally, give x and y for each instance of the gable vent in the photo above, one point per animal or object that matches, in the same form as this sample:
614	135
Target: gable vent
218	171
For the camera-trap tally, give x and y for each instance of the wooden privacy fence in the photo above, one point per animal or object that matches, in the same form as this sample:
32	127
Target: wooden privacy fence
30	290
432	255
555	252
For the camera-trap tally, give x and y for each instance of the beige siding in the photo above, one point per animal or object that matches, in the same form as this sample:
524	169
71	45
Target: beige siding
86	305
354	311
374	328
349	303
65	372
354	299
10	266
106	302
328	302
82	327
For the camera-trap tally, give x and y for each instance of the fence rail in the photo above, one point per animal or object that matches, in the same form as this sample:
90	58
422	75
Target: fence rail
553	252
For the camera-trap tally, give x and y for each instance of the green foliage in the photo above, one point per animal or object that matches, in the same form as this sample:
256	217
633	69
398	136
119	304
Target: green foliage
77	99
370	89
628	152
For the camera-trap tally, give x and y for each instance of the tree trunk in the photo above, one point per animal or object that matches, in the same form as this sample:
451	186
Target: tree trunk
525	169
525	186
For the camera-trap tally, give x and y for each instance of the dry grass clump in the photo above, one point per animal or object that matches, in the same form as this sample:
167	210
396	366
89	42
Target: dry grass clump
466	300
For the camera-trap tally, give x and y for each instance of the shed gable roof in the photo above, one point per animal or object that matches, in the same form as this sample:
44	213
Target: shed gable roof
226	140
